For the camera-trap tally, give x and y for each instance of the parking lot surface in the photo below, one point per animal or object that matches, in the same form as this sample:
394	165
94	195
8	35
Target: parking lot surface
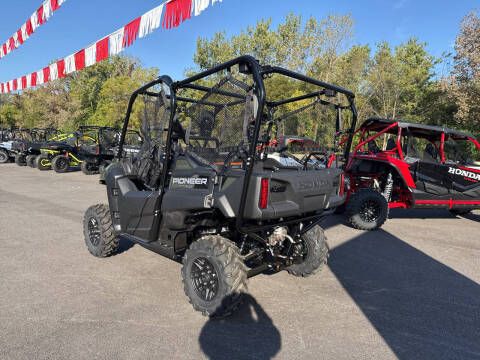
408	291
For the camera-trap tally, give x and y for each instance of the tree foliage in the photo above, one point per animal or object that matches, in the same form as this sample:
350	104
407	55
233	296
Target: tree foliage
465	81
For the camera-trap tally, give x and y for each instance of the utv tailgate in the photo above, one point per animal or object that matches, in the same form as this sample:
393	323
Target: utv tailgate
291	193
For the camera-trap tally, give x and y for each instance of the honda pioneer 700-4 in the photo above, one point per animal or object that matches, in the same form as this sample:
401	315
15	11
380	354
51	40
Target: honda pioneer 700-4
398	164
205	189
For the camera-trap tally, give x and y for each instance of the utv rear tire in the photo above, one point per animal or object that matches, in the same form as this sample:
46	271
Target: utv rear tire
4	157
41	163
31	161
89	168
367	209
216	260
315	243
60	164
98	231
20	160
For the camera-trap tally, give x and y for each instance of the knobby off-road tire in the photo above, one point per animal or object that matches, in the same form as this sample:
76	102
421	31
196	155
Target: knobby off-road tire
89	168
4	158
60	164
316	253
20	160
41	163
30	160
460	212
98	231
214	276
367	209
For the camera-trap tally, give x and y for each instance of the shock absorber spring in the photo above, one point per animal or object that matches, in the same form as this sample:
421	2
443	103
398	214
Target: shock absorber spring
387	192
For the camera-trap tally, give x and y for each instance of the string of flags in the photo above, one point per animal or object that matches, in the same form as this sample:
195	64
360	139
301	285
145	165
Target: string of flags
38	18
168	15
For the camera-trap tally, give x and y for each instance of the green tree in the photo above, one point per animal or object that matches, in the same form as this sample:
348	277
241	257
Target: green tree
398	80
465	83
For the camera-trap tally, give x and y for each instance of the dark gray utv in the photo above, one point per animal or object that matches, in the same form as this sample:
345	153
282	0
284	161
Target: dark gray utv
206	188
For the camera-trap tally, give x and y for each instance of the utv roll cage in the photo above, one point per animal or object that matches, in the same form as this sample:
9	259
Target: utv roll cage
401	128
247	65
43	134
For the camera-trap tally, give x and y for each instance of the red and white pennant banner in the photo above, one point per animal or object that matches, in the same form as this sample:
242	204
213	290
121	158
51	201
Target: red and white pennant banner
38	18
168	15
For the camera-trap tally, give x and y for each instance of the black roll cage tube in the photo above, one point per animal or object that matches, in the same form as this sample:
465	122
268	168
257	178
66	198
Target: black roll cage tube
259	73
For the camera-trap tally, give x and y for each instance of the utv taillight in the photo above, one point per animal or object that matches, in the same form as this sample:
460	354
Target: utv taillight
341	191
264	189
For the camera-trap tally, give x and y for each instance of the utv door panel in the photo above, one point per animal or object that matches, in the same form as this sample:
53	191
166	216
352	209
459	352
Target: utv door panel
134	211
465	182
433	178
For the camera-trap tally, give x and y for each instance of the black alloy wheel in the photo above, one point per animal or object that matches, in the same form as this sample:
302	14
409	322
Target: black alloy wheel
204	279
367	209
94	233
370	211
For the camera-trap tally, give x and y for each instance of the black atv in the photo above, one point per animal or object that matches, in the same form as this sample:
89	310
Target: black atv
204	189
27	151
99	155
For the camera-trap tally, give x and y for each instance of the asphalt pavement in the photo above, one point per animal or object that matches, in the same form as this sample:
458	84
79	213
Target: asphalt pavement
408	291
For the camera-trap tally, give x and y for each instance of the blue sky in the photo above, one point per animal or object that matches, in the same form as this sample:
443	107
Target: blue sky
80	22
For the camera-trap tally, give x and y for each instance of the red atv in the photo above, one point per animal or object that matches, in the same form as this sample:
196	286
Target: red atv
403	165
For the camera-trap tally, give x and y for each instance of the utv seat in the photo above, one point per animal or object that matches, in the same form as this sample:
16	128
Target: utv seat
391	145
373	147
430	154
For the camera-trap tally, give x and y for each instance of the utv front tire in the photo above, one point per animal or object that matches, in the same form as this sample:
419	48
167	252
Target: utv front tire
89	168
60	164
367	209
214	276
30	160
315	253
43	163
20	160
98	231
